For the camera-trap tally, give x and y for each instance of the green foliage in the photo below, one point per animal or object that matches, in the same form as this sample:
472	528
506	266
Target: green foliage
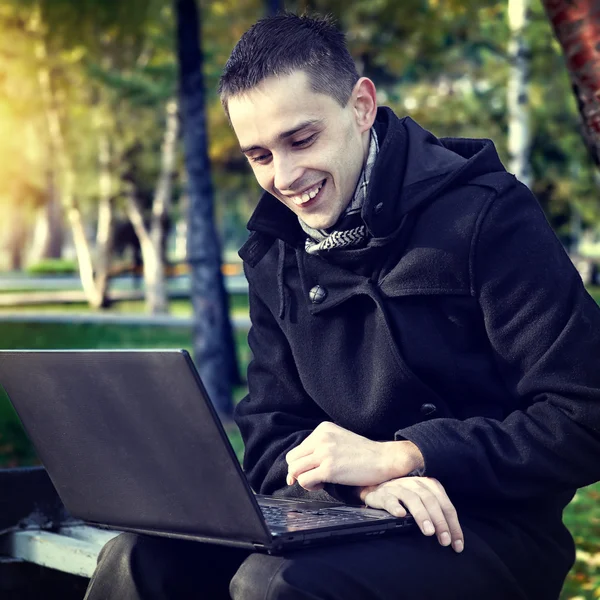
442	63
582	517
53	266
594	291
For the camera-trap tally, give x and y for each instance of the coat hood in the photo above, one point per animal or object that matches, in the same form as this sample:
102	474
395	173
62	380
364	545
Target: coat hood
412	169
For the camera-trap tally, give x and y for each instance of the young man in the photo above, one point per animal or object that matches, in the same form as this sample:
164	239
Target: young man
421	341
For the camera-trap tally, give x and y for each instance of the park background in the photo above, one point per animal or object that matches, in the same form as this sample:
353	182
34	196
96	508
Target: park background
124	196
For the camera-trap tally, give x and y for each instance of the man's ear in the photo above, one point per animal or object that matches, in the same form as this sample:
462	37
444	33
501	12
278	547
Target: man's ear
364	99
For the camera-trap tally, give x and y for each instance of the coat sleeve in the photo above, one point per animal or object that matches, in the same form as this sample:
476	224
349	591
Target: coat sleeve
277	414
544	333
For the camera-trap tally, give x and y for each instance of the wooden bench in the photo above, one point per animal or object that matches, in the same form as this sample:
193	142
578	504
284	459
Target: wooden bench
72	549
36	529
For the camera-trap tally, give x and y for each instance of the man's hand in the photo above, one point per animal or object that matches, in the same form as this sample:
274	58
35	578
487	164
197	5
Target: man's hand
427	501
332	454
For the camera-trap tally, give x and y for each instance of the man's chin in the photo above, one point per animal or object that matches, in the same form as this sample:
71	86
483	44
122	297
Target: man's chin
320	221
319	224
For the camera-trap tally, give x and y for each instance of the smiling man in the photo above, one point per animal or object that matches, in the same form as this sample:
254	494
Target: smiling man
303	149
421	342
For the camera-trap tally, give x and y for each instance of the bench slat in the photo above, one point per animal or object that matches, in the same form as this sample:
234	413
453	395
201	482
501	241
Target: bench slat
86	533
63	552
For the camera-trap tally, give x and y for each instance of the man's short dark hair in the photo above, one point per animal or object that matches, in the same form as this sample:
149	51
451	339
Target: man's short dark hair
282	44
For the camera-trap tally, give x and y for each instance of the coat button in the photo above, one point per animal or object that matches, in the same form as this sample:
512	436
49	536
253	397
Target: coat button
317	294
378	208
428	409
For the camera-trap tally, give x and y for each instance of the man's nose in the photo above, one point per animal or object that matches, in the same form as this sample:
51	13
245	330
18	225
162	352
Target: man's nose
286	173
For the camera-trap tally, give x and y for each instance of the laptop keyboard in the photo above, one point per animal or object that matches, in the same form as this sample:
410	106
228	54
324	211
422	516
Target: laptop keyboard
279	516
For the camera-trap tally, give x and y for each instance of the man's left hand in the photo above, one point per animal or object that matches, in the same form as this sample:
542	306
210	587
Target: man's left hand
332	454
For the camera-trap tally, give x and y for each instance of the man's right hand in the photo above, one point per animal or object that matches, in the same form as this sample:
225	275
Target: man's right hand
426	500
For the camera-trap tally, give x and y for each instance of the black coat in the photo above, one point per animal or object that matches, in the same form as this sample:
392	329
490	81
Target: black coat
463	327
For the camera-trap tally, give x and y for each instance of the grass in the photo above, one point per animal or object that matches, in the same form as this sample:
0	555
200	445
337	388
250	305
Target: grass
238	304
582	516
14	446
53	266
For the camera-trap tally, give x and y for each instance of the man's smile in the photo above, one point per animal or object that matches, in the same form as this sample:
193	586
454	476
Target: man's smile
310	195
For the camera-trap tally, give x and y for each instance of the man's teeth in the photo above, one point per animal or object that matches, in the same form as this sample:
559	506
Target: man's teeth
308	195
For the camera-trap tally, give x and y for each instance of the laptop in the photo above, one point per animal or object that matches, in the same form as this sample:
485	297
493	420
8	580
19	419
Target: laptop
132	442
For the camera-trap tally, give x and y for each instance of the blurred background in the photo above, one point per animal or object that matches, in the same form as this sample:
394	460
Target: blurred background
124	196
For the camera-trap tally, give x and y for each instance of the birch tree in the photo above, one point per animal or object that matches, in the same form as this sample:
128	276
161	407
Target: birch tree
519	134
94	278
48	233
102	36
138	92
151	237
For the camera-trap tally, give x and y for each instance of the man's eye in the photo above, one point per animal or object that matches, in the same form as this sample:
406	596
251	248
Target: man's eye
305	141
262	159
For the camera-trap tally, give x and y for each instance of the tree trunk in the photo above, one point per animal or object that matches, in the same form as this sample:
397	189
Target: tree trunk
48	235
519	133
154	274
96	298
152	239
16	239
160	210
48	232
576	24
214	349
56	234
105	215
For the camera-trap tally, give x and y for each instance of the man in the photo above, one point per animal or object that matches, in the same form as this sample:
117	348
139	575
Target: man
421	342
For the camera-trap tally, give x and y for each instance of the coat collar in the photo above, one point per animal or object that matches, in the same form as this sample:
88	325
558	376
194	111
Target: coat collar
388	201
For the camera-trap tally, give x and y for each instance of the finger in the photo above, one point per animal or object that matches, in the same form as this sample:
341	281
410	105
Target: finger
374	498
385	500
301	465
313	479
303	449
437	517
450	514
393	506
412	501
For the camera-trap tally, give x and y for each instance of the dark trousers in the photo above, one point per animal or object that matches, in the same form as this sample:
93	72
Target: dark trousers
409	566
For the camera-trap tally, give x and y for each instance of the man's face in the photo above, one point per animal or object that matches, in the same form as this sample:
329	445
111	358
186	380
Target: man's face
304	148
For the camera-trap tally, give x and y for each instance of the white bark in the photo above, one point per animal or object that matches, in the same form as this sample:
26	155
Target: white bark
105	213
84	258
65	167
162	196
151	240
156	297
47	239
41	233
519	132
